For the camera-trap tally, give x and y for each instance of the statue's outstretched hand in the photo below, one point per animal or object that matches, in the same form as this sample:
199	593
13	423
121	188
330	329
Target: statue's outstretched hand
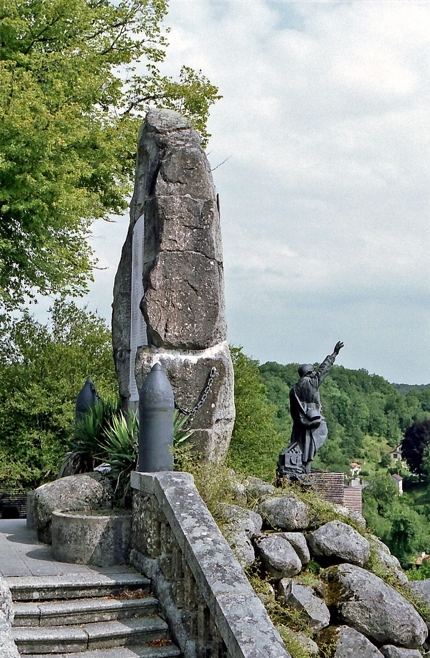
337	347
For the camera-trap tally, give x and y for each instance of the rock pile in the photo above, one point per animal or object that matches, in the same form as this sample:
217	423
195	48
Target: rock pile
348	610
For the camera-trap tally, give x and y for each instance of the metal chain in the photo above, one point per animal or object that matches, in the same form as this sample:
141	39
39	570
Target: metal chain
203	397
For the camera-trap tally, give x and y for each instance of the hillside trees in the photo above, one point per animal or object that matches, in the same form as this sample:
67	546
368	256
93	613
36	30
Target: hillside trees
256	443
417	439
42	369
76	77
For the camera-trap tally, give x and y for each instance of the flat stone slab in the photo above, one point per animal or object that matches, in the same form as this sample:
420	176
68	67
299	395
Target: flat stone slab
50	640
117	633
74	586
57	639
82	611
134	651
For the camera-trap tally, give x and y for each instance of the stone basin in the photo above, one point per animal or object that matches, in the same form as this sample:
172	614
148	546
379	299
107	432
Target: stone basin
98	537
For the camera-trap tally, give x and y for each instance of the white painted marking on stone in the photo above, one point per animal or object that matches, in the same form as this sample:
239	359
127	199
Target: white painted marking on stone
192	356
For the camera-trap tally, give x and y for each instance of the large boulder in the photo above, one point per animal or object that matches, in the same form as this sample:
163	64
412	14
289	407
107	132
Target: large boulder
277	555
298	542
242	547
365	602
340	541
285	512
236	519
389	651
351	514
422	589
389	566
74	492
175	258
303	598
256	489
309	647
346	642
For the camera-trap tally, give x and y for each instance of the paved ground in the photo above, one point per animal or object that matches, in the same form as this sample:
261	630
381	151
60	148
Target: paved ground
22	555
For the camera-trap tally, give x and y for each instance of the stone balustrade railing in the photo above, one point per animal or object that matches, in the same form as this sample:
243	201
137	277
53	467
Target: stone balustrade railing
207	599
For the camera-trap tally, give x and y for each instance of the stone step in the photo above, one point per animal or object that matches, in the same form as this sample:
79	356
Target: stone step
74	586
82	611
101	635
135	651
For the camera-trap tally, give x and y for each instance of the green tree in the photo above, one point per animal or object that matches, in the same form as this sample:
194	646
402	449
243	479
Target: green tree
42	369
408	536
255	444
417	438
76	77
383	490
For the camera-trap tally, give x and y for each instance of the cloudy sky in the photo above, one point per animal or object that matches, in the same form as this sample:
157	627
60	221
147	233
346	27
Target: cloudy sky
324	123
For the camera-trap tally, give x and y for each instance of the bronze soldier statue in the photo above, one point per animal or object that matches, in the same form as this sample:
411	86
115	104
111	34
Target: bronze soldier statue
309	427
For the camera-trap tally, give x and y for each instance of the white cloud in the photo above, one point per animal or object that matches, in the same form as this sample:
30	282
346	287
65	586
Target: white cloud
325	198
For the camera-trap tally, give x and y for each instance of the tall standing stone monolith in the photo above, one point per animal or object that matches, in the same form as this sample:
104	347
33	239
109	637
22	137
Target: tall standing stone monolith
169	289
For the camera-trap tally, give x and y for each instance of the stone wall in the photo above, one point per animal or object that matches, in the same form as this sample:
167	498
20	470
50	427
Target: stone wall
331	487
210	605
7	645
353	499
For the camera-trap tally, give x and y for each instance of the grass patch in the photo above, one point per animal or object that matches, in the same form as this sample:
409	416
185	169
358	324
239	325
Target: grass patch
292	643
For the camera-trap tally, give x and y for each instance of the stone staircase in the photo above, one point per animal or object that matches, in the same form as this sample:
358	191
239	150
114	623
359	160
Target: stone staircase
95	615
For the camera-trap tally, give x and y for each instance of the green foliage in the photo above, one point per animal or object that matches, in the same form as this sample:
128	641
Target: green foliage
384	491
180	432
397	520
119	449
256	443
420	573
89	433
42	369
417	439
407	534
76	78
216	483
292	644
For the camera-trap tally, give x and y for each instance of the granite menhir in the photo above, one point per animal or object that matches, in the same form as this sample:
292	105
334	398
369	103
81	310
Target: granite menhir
183	279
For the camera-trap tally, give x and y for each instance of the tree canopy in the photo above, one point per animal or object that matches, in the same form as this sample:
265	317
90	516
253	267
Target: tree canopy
76	77
42	369
417	439
255	444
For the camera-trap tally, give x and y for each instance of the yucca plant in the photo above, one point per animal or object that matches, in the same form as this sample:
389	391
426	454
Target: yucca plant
105	435
180	433
86	451
119	446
